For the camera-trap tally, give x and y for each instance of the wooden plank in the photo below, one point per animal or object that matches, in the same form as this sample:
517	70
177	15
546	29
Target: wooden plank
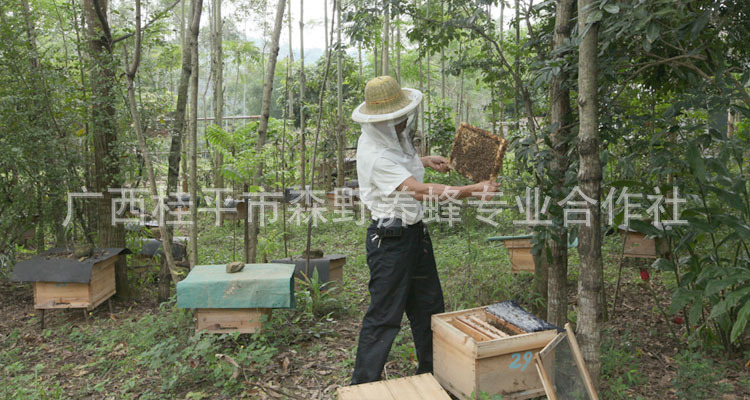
402	388
419	387
429	388
578	357
487	328
367	391
505	324
453	368
549	388
528	341
466	327
61	295
442	328
102	285
224	320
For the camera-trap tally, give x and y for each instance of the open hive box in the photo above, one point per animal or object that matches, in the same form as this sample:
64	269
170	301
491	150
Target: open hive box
477	154
490	350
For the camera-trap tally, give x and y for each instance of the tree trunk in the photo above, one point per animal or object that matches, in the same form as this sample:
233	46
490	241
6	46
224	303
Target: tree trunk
386	33
302	149
589	181
217	66
177	137
442	56
193	123
263	127
398	50
131	72
560	116
104	117
340	127
325	25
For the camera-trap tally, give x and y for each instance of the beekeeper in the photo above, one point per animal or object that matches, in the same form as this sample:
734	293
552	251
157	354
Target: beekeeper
403	274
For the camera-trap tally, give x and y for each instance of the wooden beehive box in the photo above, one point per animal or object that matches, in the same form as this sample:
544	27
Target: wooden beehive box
475	352
418	387
236	302
62	281
521	258
637	245
519	252
330	268
477	154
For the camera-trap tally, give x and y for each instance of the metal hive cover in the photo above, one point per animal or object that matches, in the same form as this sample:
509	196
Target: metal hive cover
477	154
59	265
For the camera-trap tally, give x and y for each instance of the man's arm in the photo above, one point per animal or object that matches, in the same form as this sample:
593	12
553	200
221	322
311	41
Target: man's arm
421	190
438	163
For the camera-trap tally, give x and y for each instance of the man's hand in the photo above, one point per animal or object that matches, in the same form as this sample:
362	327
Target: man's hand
485	190
438	163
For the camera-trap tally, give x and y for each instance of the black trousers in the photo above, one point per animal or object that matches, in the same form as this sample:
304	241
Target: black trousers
403	277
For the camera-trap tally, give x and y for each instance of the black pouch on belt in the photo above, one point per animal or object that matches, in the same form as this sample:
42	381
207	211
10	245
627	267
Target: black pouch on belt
390	227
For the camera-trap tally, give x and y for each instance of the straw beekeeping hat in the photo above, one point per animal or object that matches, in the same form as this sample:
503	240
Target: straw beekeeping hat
386	100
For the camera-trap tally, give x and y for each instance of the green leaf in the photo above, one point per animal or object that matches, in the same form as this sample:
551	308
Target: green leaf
595	16
652	33
683	297
612	8
695	160
662	264
739	326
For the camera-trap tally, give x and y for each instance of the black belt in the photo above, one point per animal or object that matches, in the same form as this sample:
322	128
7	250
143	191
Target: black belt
393	227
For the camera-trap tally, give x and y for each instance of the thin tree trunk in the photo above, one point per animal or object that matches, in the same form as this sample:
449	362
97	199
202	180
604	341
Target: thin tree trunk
359	53
589	181
386	33
398	50
442	56
302	149
193	124
131	72
325	25
340	128
217	67
428	103
104	114
560	116
264	115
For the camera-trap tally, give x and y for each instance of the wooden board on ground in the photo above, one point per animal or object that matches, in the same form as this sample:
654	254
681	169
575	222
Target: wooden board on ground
477	154
419	387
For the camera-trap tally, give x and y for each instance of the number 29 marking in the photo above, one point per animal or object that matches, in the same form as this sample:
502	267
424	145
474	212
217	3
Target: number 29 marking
527	356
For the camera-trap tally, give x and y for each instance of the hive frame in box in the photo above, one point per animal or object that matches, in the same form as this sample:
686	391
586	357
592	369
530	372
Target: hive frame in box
466	366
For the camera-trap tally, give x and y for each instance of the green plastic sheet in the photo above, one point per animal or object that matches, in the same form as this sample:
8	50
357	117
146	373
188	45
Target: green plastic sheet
256	286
